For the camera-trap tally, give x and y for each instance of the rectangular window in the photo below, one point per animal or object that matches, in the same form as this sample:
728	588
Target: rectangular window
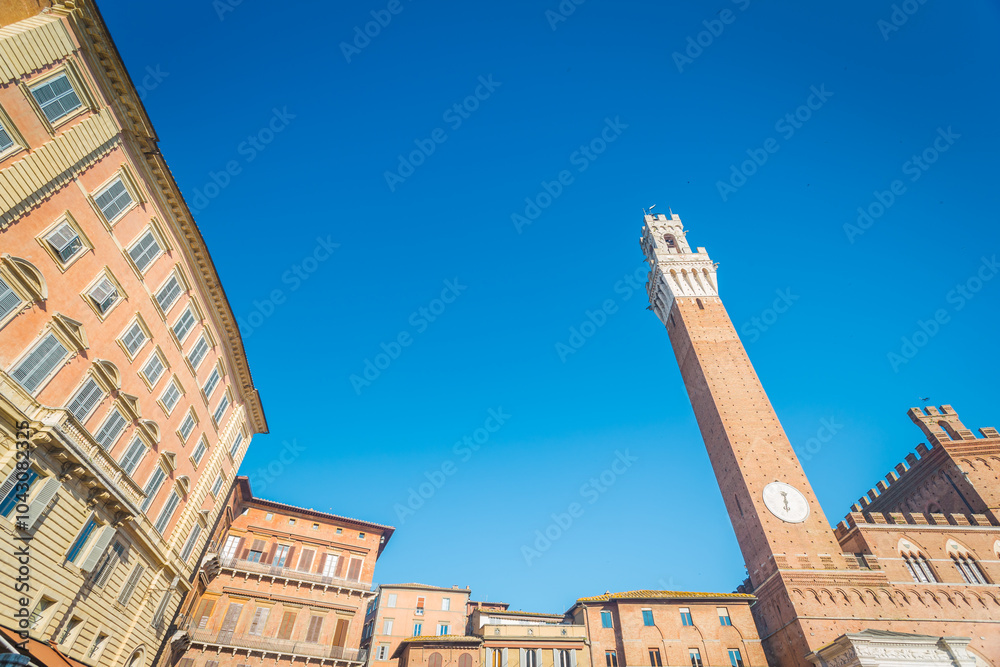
12	493
187	426
64	241
104	295
695	655
564	659
442	629
280	555
606	620
56	97
211	383
134	339
9	300
236	448
69	629
98	644
256	551
220	410
724	616
654	658
420	606
390	600
170	396
686	616
40	363
167	512
735	658
647	617
81	540
387	626
111	429
232	544
417	627
198	352
168	293
445	604
315	625
611	658
152	487
305	560
108	563
383	652
217	486
191	541
133	455
38	613
199	452
184	324
259	620
331	566
354	574
85	400
114	200
129	587
287	624
5	141
153	369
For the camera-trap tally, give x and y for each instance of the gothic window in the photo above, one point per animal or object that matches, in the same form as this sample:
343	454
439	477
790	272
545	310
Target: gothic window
919	568
670	242
969	569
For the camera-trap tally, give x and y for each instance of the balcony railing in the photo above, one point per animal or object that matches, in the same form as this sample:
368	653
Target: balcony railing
273	645
279	572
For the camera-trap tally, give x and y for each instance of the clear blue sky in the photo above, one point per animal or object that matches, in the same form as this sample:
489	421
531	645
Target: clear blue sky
678	127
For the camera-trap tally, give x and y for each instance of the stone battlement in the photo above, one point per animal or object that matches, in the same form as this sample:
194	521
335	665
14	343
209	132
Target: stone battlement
909	518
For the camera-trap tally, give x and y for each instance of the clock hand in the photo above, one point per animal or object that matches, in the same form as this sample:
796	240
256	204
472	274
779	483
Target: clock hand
784	496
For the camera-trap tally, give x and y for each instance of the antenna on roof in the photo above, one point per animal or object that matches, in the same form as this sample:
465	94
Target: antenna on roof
648	211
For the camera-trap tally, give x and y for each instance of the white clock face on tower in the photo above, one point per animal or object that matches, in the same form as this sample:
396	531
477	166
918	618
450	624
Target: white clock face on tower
786	502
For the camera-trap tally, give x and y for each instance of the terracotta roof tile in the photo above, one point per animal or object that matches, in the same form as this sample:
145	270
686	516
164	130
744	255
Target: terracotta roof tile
652	595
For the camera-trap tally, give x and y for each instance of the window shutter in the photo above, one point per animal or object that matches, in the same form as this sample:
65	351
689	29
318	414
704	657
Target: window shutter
354	572
132	456
191	541
503	657
104	538
102	291
9	300
555	658
287	623
204	613
341	633
245	551
572	658
270	554
8	484
39	363
111	429
322	565
305	560
259	620
315	625
538	658
258	545
62	237
133	581
85	400
340	569
288	557
522	658
233	612
186	662
42	500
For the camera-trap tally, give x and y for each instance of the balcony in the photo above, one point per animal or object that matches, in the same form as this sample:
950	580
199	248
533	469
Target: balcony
270	646
288	574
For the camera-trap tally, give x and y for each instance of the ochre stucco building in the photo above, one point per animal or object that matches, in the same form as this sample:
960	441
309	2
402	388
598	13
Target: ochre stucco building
126	400
911	574
280	585
401	611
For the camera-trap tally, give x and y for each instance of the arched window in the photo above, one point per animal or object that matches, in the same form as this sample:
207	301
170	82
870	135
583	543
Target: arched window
434	660
700	304
136	659
465	660
969	568
670	242
916	564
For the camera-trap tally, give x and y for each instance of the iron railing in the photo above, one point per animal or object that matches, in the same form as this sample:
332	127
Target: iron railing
288	573
273	645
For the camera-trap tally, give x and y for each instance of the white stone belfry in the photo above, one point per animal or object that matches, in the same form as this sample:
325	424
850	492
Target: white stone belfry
674	271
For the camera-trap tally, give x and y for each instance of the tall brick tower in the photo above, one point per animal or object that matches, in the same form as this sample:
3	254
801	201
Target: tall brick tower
780	525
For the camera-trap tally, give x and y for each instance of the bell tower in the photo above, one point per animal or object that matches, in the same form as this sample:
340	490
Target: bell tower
781	528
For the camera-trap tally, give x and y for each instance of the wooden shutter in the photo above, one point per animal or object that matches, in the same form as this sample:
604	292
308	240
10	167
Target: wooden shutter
39	363
186	662
322	564
305	560
354	573
104	537
315	625
258	545
340	635
229	622
133	581
42	500
287	623
242	554
270	555
204	613
259	620
340	568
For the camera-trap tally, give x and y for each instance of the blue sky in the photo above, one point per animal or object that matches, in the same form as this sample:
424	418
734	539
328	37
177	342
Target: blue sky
309	129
